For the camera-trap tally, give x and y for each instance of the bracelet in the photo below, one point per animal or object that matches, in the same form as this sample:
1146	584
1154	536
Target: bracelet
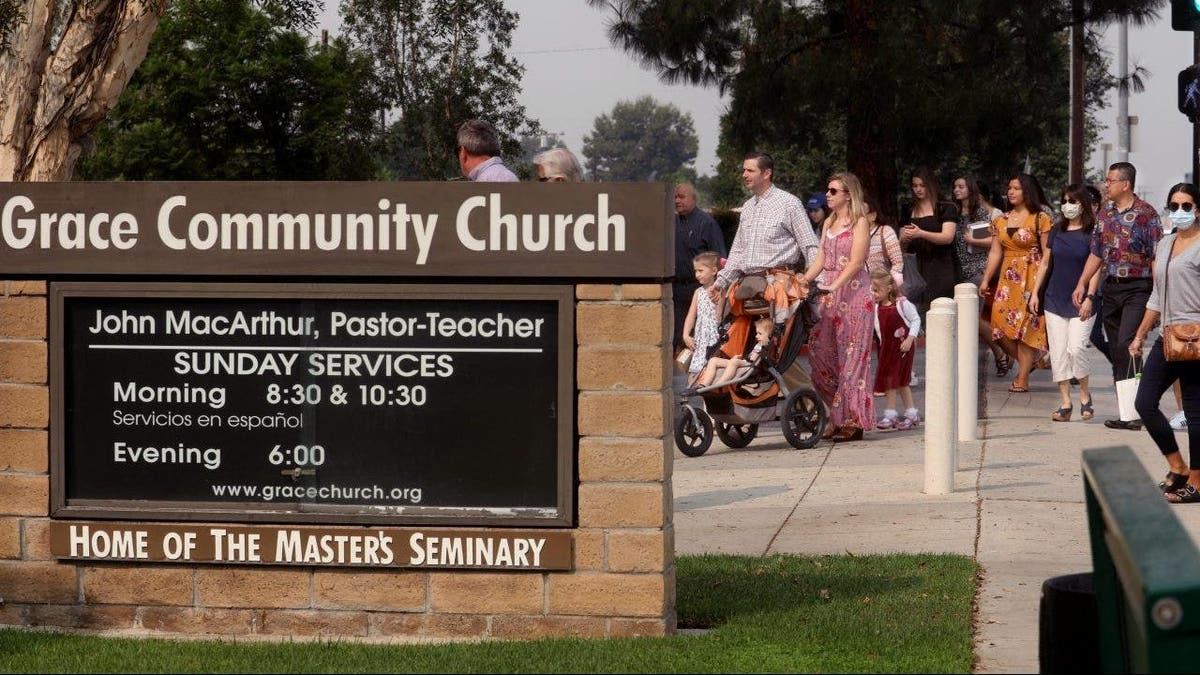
1089	296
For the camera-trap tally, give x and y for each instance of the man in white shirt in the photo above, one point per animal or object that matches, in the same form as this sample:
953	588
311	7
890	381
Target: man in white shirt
479	154
774	230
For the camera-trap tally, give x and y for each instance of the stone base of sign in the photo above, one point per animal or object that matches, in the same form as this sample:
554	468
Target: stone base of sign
623	577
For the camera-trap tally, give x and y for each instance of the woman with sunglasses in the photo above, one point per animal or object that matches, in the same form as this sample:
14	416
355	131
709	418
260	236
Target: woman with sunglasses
1176	299
1018	239
558	165
840	343
1068	327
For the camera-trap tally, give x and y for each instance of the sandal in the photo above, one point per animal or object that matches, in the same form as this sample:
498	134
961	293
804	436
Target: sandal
1173	482
1062	414
1018	389
1184	495
1003	364
1085	410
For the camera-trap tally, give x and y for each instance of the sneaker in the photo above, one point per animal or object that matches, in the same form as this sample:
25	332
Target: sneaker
914	381
1179	421
911	419
886	424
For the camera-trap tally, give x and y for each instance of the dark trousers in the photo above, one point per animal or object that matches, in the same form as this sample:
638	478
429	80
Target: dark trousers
1157	376
1097	337
1122	310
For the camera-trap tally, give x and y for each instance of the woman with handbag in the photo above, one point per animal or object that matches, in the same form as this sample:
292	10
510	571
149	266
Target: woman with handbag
928	238
1018	239
971	244
1176	355
884	251
1068	326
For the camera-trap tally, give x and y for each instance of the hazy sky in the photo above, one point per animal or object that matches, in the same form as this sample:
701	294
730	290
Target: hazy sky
572	75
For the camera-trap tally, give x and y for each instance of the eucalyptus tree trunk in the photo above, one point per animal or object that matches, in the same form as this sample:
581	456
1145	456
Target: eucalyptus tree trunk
66	67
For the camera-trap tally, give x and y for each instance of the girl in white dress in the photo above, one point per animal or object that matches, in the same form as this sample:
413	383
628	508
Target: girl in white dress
700	326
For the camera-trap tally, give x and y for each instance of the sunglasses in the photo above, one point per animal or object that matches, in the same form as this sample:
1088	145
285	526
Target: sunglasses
1173	207
833	191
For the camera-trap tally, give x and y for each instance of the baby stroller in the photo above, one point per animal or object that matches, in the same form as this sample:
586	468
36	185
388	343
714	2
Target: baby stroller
773	386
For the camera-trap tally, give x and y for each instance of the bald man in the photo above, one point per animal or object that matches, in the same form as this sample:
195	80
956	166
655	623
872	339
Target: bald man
695	232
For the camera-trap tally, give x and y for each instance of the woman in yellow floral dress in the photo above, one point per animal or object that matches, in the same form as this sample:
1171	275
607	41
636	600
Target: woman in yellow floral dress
1018	240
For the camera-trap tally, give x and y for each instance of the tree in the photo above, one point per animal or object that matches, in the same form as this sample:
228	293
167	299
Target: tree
64	68
226	94
967	85
641	140
439	63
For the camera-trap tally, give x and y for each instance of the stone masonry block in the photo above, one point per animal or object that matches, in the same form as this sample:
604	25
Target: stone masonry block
42	582
237	587
83	616
596	292
621	459
390	590
633	551
589	549
482	593
23	361
622	504
621	367
24	495
311	623
637	628
616	595
10	537
192	620
23	317
126	585
26	288
25	406
621	414
643	291
37	539
534	627
24	450
634	323
428	625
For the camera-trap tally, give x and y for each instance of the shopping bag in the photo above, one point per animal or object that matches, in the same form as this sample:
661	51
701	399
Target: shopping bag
1127	393
914	283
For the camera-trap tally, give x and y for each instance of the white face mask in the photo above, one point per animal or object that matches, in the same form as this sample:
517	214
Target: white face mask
1072	211
1182	220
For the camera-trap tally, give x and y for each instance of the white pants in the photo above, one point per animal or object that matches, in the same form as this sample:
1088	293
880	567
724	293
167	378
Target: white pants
1068	340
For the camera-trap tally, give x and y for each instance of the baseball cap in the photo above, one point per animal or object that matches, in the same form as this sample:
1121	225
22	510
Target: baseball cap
815	201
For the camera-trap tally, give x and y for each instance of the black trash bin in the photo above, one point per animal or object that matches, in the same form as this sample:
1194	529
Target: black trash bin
1069	625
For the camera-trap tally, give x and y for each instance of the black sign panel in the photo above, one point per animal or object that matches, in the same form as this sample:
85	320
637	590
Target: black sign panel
447	404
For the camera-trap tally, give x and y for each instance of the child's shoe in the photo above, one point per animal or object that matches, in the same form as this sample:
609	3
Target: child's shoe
911	419
888	421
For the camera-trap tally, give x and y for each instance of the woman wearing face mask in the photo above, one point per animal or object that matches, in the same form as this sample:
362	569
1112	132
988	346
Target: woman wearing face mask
1068	327
1176	299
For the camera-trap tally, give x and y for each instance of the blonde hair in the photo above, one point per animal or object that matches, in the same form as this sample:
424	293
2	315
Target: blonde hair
858	204
709	258
886	281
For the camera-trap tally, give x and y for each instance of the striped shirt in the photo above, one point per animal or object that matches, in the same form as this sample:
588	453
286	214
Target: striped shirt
773	231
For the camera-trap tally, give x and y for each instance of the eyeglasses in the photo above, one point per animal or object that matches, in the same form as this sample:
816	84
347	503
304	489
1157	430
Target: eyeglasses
543	179
1173	207
1110	181
833	191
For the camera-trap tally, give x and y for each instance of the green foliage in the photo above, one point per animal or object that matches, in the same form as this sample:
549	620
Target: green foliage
438	63
641	140
226	94
782	613
965	86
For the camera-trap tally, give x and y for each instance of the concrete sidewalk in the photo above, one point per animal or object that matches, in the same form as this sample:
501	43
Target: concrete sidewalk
1017	507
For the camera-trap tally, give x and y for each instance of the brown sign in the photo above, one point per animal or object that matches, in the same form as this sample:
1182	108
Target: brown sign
453	229
512	550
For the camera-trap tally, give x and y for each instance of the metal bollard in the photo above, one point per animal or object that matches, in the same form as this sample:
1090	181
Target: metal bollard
966	296
940	443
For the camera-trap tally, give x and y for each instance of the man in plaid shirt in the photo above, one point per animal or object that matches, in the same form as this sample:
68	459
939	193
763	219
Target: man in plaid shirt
773	231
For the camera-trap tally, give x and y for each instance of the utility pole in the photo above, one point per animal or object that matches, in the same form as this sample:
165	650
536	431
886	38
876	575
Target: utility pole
1123	91
1076	158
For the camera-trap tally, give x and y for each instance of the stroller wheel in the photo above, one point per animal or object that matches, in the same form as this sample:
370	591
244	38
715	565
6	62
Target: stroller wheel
736	435
803	419
693	431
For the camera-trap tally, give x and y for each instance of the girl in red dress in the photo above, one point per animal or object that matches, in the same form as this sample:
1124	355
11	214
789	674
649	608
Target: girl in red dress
896	325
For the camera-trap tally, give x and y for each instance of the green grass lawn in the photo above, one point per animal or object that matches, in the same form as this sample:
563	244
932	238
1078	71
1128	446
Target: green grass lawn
896	613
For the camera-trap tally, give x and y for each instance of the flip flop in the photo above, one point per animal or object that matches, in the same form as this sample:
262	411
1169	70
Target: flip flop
1018	389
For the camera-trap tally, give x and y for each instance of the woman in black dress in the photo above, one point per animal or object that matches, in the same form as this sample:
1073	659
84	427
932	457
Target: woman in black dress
930	235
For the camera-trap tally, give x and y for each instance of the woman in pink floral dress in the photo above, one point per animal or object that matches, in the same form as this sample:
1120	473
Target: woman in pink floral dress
840	344
1018	239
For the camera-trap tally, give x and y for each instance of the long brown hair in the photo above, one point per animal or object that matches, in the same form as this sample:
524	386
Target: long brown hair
1087	216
